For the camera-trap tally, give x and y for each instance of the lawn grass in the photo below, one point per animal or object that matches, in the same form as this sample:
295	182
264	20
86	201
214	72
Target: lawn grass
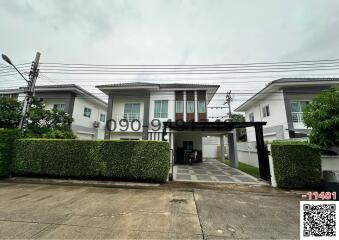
246	168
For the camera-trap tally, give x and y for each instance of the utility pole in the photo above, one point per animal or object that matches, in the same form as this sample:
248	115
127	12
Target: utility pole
33	75
228	102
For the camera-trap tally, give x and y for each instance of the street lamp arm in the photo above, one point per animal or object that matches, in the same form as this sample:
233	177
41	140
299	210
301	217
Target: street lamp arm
21	74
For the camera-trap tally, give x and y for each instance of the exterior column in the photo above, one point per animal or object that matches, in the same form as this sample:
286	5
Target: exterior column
145	120
264	168
196	106
222	149
109	116
184	97
232	149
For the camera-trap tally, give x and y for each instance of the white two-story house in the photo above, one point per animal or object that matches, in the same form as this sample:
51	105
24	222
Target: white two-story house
137	111
281	104
87	110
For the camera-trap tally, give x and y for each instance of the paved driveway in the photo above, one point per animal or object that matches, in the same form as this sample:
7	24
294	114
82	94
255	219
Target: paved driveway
38	211
212	170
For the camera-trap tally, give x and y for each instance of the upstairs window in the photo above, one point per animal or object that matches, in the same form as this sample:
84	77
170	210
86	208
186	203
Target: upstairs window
201	106
132	111
59	106
266	111
87	112
160	109
102	117
251	117
297	109
190	106
179	106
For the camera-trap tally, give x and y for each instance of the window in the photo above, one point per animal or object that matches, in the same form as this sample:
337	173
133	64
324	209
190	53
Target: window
297	109
102	117
179	106
201	106
190	106
160	108
59	106
251	117
87	112
266	111
132	111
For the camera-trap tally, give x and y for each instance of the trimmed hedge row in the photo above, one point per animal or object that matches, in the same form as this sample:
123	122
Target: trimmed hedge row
296	164
7	138
101	159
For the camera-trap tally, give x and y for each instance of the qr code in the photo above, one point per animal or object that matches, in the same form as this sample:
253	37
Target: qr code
318	219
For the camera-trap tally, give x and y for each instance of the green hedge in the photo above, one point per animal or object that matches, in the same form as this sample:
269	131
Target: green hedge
101	159
296	164
7	138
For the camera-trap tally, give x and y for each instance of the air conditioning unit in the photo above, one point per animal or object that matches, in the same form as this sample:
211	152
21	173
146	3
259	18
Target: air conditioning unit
96	124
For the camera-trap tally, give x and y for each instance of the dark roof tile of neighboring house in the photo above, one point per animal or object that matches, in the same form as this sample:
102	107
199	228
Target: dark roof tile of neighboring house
285	81
169	85
69	87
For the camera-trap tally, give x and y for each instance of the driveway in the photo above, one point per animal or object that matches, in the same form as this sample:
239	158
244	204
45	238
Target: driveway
64	212
212	170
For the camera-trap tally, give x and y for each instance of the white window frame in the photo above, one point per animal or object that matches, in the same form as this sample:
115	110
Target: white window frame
130	116
297	116
187	106
59	106
251	117
201	103
162	113
266	111
88	110
179	108
102	115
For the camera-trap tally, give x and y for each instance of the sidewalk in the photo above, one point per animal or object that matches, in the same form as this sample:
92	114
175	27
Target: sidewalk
48	211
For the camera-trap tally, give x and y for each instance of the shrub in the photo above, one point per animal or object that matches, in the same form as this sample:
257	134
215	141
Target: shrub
7	138
296	164
101	159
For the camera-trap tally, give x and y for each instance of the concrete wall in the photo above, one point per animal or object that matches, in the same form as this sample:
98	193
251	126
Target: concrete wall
247	153
330	163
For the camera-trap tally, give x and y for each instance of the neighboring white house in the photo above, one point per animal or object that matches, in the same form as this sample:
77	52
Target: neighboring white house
281	104
87	110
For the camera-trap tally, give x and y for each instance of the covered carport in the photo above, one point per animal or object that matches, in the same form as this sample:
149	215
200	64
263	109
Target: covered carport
220	129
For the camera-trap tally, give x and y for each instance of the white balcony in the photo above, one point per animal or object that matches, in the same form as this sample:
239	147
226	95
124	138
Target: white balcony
127	116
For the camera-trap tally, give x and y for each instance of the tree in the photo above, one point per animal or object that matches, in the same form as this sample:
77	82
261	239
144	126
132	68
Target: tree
41	122
240	132
10	112
322	115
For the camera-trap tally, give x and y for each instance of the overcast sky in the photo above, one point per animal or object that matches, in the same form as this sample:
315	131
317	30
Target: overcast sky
169	32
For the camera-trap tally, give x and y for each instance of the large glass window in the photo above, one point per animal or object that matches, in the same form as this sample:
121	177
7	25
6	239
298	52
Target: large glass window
190	106
160	109
132	111
201	106
179	106
87	112
59	106
297	109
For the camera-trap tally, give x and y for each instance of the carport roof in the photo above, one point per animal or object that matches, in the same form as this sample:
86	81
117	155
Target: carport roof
210	126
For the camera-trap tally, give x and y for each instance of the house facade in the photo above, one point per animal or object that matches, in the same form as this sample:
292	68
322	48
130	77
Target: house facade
138	111
281	104
87	110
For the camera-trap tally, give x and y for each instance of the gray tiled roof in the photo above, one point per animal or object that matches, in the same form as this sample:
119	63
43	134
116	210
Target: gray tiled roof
167	85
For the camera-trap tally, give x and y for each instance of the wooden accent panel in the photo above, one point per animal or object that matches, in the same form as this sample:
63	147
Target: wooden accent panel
190	97
202	117
179	96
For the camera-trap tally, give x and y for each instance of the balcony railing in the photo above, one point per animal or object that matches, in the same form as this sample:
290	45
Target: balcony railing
297	117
